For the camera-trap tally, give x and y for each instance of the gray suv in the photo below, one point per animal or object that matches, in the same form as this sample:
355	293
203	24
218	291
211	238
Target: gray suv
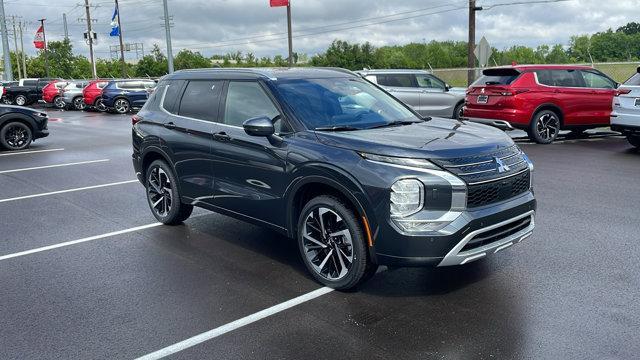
72	95
423	91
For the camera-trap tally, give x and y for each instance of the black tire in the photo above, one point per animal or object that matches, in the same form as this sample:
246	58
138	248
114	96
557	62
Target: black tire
7	100
78	103
544	127
163	196
21	100
121	106
634	140
331	252
99	105
58	102
458	112
15	135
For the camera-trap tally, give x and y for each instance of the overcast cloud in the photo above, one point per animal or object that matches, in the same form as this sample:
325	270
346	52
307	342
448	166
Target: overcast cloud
221	26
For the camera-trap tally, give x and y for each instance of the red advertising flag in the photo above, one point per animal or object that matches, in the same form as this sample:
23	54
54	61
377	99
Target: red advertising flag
38	41
276	3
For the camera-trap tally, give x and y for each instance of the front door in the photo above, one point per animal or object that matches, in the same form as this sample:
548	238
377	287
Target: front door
602	90
250	172
403	87
435	100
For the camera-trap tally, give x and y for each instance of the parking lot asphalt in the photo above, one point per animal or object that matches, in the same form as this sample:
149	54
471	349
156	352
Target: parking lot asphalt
120	292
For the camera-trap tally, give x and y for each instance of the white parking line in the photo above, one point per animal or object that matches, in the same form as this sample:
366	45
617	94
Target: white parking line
52	166
67	191
30	152
205	336
74	242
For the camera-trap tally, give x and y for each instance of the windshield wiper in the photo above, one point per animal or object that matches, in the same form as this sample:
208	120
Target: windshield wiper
398	123
337	128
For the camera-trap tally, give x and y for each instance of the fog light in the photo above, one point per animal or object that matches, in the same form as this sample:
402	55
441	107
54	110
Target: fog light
407	197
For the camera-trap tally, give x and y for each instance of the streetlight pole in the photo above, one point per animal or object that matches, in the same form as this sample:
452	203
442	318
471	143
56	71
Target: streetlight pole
124	65
167	28
8	72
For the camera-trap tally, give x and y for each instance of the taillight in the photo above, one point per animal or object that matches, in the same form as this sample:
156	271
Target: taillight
516	92
135	119
622	92
4	91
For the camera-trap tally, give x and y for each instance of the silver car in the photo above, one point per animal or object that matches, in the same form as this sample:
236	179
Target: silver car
72	94
426	93
625	117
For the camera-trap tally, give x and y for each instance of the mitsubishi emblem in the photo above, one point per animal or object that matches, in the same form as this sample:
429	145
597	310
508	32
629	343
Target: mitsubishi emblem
501	166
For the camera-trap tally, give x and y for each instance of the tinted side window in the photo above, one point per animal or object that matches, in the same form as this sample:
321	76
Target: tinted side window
396	80
429	82
30	83
201	100
171	95
567	78
246	100
596	80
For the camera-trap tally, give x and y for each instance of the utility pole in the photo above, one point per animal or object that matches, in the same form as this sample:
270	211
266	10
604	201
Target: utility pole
471	61
8	72
24	57
289	32
46	56
90	38
66	28
124	65
167	27
15	44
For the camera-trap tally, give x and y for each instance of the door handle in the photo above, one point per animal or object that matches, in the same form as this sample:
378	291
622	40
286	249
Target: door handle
221	136
169	125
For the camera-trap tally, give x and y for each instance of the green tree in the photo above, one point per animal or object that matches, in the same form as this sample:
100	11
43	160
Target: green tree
187	59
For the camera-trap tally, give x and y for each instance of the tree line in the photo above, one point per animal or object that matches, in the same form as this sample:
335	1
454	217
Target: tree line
623	44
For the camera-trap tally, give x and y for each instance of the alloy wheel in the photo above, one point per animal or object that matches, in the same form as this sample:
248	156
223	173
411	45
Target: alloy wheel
21	100
16	136
100	105
59	102
7	100
327	243
159	191
121	106
548	126
78	103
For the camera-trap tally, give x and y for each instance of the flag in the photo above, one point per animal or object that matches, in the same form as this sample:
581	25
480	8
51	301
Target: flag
38	41
276	3
115	25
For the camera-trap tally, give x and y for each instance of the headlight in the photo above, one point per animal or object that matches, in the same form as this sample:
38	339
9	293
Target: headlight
411	162
407	197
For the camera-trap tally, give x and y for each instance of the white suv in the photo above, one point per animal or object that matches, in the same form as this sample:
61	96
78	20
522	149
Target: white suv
625	117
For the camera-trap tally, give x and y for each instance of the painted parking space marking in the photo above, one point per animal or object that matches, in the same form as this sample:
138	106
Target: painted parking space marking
67	191
30	152
53	166
79	241
211	334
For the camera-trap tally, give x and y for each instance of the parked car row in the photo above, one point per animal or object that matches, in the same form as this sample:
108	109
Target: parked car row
113	95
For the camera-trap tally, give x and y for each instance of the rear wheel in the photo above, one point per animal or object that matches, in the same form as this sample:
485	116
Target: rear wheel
121	106
78	103
21	100
163	196
458	112
332	244
99	105
544	127
634	140
59	103
7	100
15	136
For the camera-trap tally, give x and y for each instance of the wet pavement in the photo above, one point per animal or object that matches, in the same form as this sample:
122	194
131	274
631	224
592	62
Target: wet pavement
569	292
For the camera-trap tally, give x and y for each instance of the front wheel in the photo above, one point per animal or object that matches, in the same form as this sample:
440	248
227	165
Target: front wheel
544	127
15	136
59	103
634	140
163	196
458	112
332	243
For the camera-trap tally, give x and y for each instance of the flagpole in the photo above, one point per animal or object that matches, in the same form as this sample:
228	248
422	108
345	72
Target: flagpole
46	57
124	65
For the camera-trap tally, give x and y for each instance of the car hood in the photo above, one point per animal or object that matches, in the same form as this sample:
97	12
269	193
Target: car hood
22	109
437	138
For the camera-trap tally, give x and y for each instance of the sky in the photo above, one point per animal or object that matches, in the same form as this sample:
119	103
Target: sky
222	26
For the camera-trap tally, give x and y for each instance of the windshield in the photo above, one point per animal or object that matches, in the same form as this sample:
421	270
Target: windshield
341	103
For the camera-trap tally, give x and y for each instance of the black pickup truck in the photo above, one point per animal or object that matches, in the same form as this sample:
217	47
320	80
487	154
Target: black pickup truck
28	91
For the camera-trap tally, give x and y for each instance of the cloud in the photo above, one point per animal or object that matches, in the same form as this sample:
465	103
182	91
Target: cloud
220	26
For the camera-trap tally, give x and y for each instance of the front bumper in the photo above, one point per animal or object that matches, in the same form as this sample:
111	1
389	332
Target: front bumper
396	249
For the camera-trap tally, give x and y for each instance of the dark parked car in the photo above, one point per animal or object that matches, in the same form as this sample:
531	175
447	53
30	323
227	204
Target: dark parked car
27	92
323	156
121	96
19	126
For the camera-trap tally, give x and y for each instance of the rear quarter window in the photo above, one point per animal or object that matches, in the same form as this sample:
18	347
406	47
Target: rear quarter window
634	80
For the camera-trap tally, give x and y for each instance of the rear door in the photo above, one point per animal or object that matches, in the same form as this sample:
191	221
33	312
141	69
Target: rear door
250	171
435	100
602	90
403	87
569	91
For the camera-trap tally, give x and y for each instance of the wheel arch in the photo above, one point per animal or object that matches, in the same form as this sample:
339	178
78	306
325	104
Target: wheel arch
4	119
549	106
151	154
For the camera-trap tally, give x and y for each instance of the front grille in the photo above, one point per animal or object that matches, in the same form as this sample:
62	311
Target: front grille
491	177
488	193
497	234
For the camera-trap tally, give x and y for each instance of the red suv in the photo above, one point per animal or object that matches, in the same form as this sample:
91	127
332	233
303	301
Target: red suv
51	93
92	94
541	99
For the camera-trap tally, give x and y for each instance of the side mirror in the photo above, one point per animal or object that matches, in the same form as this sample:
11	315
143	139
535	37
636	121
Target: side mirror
259	126
447	87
